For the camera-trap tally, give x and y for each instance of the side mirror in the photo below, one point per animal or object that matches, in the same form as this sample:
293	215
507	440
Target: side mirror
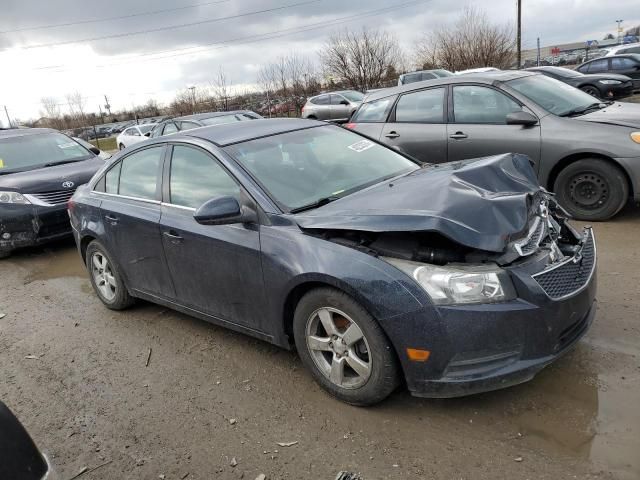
148	134
95	150
220	211
521	118
344	102
19	456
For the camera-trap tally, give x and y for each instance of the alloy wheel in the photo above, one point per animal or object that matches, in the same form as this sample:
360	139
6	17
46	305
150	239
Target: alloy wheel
338	347
103	276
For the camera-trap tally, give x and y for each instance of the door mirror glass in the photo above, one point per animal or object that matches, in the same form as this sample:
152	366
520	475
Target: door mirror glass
521	118
219	211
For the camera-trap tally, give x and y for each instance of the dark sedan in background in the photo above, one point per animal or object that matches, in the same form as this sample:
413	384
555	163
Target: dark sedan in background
40	170
599	85
625	64
187	122
585	150
452	279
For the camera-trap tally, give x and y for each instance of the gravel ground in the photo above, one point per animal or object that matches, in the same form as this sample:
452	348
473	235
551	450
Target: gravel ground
210	398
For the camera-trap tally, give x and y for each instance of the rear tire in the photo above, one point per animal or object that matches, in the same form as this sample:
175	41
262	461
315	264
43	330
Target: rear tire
591	90
355	362
312	117
106	279
592	189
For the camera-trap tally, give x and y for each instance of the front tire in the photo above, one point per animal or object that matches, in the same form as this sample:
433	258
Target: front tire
344	348
106	279
592	189
591	90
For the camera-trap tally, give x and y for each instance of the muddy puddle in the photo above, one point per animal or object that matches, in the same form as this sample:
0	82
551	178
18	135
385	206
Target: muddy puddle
56	263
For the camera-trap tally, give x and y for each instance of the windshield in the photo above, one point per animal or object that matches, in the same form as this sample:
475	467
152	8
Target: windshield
306	166
147	127
442	73
553	95
352	96
221	119
29	151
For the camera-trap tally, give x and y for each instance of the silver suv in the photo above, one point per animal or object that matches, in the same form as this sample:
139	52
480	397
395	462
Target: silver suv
336	106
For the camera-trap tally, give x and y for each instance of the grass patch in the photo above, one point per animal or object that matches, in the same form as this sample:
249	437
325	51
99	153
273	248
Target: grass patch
105	144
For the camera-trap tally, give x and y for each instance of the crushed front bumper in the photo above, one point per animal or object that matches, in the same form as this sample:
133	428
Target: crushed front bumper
28	225
478	348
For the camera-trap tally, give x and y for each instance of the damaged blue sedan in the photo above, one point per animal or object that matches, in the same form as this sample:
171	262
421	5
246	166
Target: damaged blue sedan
448	279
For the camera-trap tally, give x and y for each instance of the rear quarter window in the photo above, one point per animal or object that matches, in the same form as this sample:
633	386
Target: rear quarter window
374	112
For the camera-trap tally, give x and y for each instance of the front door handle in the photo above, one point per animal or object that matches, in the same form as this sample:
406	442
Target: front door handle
392	135
173	237
458	136
112	219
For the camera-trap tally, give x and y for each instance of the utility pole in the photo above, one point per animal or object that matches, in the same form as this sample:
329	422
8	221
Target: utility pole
538	62
107	105
519	34
8	117
619	22
193	98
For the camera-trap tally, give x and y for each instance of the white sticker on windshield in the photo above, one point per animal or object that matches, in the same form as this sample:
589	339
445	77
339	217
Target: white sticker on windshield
361	146
68	145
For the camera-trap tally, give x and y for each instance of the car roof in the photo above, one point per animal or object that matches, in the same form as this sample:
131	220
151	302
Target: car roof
230	133
22	132
488	78
202	116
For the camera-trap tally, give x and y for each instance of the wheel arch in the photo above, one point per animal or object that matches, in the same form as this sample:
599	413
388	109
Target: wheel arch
84	243
569	159
305	284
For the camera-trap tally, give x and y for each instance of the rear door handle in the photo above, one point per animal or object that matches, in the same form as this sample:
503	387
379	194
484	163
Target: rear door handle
458	136
392	135
173	236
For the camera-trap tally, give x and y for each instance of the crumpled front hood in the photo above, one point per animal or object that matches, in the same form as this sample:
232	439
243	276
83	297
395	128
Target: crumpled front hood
482	203
618	113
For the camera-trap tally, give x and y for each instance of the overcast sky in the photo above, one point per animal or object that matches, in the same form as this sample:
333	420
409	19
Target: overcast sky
133	67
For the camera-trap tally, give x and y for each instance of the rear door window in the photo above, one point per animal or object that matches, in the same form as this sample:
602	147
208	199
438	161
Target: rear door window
112	179
425	106
321	100
139	173
597	66
375	112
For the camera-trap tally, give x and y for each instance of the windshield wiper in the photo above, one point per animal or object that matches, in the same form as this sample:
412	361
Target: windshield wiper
60	162
318	203
583	110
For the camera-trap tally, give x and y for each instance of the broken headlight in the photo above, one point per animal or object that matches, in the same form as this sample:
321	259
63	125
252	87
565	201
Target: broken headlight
13	197
460	284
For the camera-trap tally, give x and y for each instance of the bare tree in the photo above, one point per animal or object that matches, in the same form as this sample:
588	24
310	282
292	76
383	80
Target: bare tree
471	42
221	90
360	60
76	103
51	110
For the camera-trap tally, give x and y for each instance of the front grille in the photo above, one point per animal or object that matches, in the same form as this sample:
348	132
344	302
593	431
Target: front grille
531	243
55	197
570	276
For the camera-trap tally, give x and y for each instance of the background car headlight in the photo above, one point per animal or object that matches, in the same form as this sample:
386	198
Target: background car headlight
13	197
635	136
610	82
459	285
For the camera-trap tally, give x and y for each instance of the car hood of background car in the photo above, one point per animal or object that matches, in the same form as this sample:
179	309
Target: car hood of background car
619	113
51	178
482	203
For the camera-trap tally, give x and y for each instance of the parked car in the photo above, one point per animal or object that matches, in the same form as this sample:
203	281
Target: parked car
450	279
335	106
584	150
133	134
599	85
477	70
173	125
621	49
40	169
628	65
103	155
421	75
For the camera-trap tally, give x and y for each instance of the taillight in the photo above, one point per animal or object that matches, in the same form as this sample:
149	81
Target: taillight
351	126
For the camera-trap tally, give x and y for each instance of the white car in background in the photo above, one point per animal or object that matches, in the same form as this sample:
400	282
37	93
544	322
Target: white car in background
134	134
620	49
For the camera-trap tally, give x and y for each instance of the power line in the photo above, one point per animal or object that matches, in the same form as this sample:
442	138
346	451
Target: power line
121	17
169	27
245	39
